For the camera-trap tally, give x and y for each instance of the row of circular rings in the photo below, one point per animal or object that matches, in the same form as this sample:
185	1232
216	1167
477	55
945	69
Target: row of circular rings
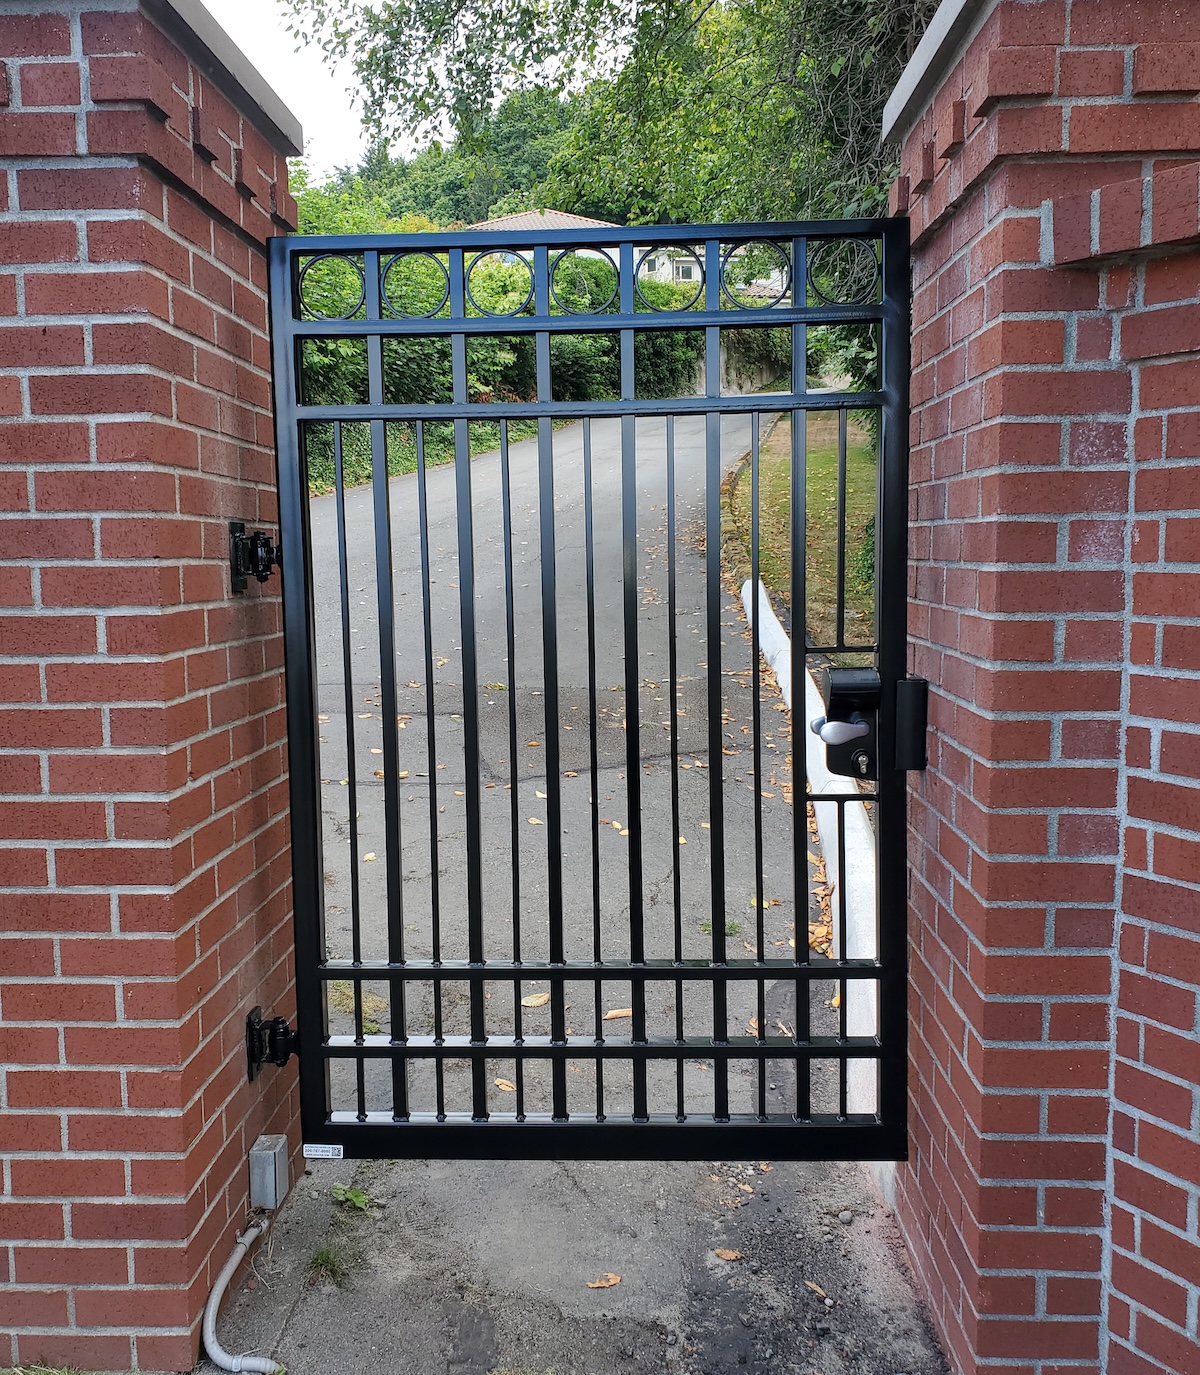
866	288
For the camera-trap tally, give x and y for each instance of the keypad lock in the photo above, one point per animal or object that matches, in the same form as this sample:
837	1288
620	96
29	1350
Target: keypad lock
848	728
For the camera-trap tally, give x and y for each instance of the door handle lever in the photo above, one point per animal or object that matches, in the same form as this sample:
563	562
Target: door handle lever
839	732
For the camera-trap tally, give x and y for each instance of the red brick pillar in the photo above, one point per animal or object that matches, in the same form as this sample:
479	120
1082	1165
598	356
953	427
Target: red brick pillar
144	873
1049	168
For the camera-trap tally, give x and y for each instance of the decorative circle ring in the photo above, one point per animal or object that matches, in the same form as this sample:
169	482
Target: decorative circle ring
510	255
593	310
355	267
413	314
653	253
862	255
784	266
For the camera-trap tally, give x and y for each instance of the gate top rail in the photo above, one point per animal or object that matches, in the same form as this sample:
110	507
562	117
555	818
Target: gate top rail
638	234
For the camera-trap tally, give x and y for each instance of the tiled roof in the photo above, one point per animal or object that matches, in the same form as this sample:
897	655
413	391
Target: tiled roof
542	219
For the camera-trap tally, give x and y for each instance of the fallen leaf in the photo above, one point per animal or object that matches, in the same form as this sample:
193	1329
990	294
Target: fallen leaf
716	1178
364	715
615	1013
535	1000
682	841
606	1281
536	821
753	1022
402	774
816	1288
507	1085
374	750
570	773
538	794
745	1188
369	856
836	1000
322	718
724	1253
378	773
704	826
764	1168
457	793
533	744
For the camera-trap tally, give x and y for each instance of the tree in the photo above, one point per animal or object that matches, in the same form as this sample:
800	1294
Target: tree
757	108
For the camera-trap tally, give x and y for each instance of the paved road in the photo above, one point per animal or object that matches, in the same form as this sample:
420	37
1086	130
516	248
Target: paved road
516	792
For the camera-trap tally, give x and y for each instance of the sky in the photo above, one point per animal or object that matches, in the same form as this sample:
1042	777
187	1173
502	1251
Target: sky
317	94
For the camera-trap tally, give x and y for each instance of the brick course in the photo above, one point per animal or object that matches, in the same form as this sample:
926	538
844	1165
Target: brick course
1051	1204
144	903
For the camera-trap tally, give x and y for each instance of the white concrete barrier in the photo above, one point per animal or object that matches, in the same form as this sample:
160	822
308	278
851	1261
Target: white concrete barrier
858	881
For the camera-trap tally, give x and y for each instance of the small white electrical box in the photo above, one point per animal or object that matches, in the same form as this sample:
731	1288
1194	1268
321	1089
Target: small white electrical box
268	1172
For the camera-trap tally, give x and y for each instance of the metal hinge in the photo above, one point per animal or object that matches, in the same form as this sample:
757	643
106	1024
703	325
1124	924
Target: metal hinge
268	1041
253	555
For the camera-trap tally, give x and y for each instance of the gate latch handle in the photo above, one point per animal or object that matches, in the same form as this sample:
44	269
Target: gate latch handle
840	732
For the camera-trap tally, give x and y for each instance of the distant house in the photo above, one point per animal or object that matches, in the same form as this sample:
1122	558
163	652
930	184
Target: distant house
543	219
674	265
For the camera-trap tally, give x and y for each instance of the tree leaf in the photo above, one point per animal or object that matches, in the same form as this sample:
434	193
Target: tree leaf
616	1013
606	1281
535	1000
724	1253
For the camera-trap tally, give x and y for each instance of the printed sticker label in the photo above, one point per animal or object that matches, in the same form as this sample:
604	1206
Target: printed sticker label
318	1151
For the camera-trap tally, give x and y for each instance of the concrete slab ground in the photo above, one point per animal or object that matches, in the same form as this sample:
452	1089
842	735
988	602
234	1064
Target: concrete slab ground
484	1267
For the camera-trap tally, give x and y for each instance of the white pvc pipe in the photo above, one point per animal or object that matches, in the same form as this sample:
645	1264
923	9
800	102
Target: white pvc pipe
216	1353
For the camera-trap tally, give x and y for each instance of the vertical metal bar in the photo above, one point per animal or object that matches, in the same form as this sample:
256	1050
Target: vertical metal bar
756	736
673	699
798	667
299	622
470	662
589	544
891	524
554	850
514	800
351	761
798	608
843	952
633	762
431	761
841	529
715	685
385	601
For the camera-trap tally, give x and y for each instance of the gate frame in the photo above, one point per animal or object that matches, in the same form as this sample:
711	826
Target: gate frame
657	1138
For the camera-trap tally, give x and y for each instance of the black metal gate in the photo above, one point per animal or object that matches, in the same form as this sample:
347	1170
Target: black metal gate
561	886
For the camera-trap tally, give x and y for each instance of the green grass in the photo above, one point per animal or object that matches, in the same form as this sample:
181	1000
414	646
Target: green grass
328	1265
775	490
341	999
732	927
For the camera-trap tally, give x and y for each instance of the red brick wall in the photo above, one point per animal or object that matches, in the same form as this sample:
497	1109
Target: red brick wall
1051	1201
143	845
